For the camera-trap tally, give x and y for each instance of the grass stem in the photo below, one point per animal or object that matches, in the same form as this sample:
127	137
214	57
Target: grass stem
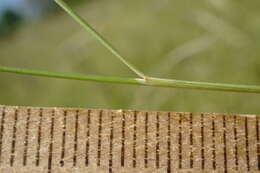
98	36
143	80
150	81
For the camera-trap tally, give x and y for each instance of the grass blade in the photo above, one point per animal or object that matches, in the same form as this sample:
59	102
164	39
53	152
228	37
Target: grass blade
98	36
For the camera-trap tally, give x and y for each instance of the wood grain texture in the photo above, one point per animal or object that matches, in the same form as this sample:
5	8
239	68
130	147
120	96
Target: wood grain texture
67	140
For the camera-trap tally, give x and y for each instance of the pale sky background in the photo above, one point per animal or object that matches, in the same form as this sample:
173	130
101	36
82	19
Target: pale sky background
25	8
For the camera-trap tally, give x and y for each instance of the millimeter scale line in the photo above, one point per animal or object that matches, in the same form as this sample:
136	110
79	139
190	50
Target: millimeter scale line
164	141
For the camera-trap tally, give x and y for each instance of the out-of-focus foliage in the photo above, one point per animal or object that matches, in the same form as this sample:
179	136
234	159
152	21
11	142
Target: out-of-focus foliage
203	40
13	12
9	21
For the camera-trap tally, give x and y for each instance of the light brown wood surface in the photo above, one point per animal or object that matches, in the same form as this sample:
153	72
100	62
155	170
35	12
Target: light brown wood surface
62	140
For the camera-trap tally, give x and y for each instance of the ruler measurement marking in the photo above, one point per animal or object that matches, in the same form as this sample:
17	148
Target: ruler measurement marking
111	143
134	140
39	139
146	141
169	144
235	138
26	137
14	138
51	142
64	126
162	147
123	141
76	139
247	145
191	141
180	141
87	141
2	132
99	138
157	141
81	139
225	144
202	142
213	144
258	142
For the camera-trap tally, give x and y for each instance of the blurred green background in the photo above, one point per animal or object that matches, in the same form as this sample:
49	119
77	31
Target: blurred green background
202	40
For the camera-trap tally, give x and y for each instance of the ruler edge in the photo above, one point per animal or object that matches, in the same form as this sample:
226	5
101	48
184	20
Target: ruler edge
130	110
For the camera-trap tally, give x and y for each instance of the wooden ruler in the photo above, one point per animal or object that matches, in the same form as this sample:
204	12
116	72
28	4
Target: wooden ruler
61	140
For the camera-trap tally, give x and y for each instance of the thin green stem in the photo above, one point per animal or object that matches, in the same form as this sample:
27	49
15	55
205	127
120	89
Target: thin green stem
71	76
98	36
150	81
